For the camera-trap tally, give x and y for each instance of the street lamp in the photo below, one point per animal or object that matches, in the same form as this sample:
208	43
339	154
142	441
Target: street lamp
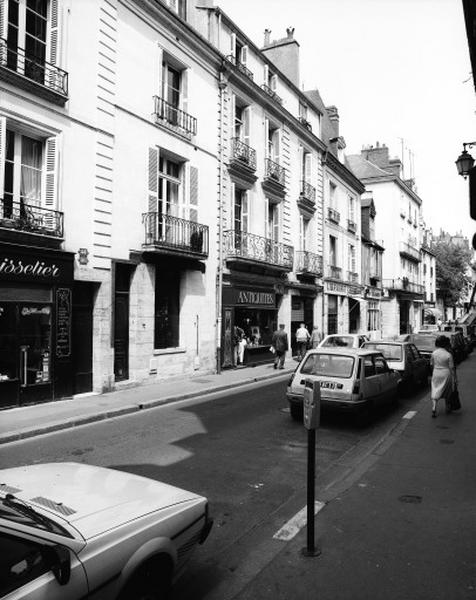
465	161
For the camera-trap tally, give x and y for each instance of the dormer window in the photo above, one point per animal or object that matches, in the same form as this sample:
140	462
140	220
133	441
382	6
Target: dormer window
178	6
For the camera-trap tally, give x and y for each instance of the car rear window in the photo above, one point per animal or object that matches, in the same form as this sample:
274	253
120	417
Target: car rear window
424	342
389	351
340	341
330	365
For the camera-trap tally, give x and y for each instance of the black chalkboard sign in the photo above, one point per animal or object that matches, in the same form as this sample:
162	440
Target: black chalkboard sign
63	322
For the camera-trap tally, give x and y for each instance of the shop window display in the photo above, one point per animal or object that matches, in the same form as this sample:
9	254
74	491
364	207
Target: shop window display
258	326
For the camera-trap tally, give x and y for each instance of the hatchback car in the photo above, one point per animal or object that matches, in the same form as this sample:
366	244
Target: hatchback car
404	358
350	379
75	531
343	340
424	342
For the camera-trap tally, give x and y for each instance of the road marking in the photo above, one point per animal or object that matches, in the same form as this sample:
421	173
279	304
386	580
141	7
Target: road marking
410	414
296	523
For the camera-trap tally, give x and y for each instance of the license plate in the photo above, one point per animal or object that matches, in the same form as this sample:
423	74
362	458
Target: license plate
328	385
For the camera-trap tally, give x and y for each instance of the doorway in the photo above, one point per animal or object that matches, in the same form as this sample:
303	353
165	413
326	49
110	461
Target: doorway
121	321
82	337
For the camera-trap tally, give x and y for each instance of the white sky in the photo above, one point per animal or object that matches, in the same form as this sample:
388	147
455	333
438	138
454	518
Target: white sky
394	69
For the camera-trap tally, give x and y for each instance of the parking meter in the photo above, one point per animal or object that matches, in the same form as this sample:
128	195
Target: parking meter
312	404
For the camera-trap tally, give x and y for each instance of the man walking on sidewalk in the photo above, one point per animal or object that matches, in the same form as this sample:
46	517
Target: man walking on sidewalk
280	345
302	338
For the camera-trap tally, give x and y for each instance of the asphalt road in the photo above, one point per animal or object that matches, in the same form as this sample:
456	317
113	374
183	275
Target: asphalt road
241	450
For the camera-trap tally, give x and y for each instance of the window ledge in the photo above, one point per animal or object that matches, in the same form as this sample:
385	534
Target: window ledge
161	351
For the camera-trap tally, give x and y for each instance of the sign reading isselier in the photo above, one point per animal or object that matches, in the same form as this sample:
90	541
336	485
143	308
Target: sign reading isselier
38	269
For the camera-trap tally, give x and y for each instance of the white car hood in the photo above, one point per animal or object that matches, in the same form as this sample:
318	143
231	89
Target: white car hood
91	499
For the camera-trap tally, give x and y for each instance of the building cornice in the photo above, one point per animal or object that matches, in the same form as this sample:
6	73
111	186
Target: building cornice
395	179
343	172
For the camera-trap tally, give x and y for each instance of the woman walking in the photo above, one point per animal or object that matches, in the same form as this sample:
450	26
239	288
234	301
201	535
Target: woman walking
443	376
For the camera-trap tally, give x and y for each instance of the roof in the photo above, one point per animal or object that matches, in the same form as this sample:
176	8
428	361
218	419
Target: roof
363	168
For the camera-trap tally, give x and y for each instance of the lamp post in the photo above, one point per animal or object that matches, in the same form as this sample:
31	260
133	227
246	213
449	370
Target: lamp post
465	162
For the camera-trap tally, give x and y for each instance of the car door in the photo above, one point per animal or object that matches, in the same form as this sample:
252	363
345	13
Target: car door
27	570
419	364
370	381
385	377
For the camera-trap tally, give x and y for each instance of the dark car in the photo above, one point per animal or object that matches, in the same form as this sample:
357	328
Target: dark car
404	358
466	332
458	344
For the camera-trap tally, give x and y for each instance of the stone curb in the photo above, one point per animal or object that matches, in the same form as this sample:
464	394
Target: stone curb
126	410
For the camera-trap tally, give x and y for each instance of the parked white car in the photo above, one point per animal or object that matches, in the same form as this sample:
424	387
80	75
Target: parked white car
350	379
343	340
71	531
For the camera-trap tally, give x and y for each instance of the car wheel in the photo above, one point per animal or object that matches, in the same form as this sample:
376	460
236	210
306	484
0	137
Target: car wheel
296	412
151	581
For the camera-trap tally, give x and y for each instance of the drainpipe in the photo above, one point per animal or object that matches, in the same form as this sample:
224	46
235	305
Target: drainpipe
222	83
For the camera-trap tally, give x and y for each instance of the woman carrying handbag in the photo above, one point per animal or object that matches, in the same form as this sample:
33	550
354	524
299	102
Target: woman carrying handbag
443	378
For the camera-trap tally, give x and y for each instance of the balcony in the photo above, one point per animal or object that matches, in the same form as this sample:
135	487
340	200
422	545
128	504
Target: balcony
271	93
403	284
275	172
39	77
172	117
170	235
334	272
333	215
240	66
249	248
353	277
27	223
308	192
409	252
351	226
308	263
242	153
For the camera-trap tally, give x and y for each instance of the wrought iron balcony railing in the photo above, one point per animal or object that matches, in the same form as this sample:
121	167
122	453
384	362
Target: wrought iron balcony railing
42	72
239	65
164	111
403	284
275	172
306	123
239	244
271	93
351	226
243	153
352	276
309	263
334	272
168	232
30	218
333	215
308	191
409	251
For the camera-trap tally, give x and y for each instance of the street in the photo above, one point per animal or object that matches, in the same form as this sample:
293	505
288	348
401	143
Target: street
241	450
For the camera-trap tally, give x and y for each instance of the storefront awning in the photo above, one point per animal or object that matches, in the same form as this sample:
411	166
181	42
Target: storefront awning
432	312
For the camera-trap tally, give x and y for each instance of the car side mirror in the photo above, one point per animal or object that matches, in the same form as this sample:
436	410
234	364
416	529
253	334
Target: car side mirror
59	560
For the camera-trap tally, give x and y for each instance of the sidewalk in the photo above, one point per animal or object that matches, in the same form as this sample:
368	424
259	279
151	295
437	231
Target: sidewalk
404	529
30	421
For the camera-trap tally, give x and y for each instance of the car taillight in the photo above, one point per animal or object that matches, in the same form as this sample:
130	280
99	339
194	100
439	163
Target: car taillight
356	388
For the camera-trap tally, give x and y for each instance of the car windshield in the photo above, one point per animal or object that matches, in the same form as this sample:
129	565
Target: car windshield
390	351
330	365
341	341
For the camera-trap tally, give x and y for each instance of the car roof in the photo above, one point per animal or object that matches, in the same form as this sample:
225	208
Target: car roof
345	335
388	341
343	350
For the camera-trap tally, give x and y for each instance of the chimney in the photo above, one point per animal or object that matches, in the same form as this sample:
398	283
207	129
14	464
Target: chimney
284	53
333	115
378	156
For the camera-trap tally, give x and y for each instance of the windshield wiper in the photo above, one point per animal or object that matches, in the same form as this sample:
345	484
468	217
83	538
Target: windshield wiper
25	509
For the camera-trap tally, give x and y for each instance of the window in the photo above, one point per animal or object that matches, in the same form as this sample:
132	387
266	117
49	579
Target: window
273	137
332	195
351	258
303	233
302	111
373	316
351	209
369	367
329	365
333	251
380	365
306	166
167	308
178	6
240	211
22	562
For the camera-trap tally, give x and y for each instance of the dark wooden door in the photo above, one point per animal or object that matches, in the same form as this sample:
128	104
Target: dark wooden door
121	336
82	337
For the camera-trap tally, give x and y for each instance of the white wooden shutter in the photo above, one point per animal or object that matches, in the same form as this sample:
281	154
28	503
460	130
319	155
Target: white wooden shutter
153	169
233	44
266	137
193	194
244	55
3	149
233	114
277	145
273	82
53	33
50	173
184	90
308	167
244	212
265	74
267	232
276	220
246	125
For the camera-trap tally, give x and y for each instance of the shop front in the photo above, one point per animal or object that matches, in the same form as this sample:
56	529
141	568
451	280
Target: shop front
255	312
35	325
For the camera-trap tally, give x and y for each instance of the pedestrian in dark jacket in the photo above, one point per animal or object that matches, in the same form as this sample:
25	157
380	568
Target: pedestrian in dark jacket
280	344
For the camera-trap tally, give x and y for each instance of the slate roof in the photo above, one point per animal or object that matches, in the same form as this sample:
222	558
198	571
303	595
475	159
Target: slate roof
363	168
